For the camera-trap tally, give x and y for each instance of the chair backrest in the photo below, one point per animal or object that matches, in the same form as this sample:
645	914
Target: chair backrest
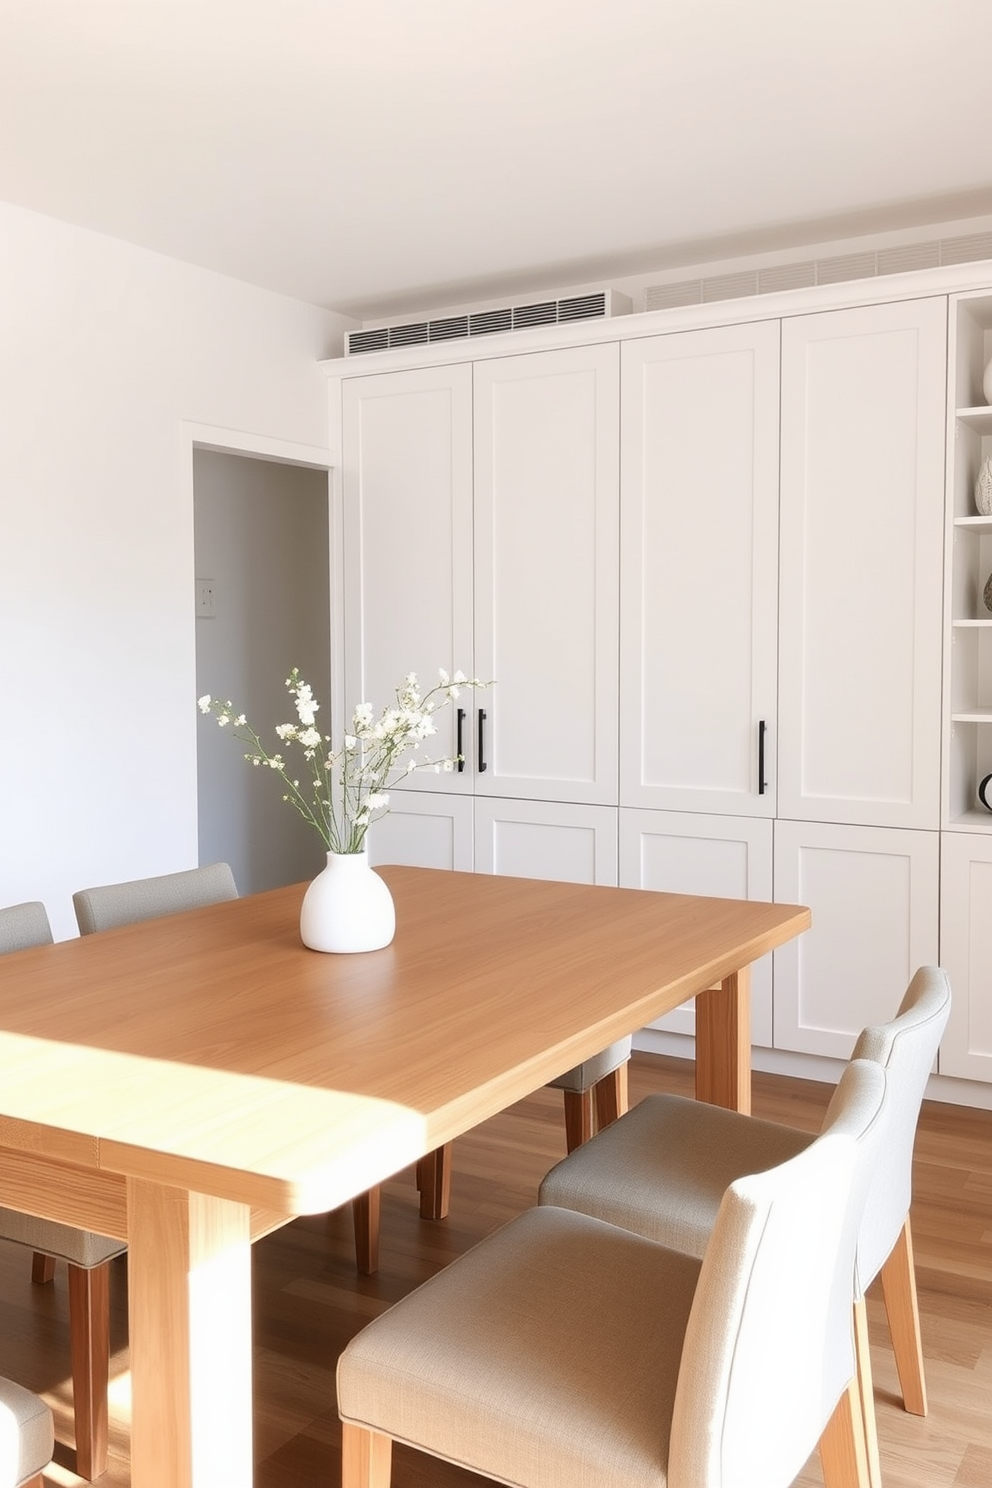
906	1049
110	905
769	1348
24	925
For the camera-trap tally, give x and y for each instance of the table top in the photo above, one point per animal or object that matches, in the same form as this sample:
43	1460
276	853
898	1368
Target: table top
210	1050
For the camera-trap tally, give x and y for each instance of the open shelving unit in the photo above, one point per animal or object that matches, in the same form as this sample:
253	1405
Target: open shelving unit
968	673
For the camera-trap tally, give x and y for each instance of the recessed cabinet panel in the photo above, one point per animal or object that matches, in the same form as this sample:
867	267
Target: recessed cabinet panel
424	830
873	895
966	953
407	491
699	570
861	564
546	839
546	572
686	853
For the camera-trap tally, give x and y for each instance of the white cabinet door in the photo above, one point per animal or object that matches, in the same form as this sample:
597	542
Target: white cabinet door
546	572
699	570
423	829
863	422
546	839
686	853
407	495
873	892
966	953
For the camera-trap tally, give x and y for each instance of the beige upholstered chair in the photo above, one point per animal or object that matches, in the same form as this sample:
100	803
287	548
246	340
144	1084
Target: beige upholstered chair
661	1171
563	1350
26	1436
88	1257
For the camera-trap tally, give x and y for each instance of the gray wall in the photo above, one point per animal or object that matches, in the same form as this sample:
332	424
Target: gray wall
261	535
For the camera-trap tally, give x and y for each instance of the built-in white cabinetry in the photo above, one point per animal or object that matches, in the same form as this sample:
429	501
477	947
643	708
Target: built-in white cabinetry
966	953
546	572
523	452
685	852
699	591
728	579
874	896
863	417
407	495
425	829
546	839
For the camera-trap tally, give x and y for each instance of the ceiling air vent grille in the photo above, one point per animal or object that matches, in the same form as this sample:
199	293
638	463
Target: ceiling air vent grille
604	303
837	270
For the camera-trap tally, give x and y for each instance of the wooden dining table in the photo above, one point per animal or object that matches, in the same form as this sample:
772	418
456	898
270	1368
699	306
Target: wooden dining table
192	1082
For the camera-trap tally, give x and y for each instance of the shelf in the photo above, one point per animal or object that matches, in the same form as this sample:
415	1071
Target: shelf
976	820
979	419
973	715
973	624
979	525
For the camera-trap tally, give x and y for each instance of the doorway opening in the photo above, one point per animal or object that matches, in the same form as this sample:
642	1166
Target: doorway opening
262	561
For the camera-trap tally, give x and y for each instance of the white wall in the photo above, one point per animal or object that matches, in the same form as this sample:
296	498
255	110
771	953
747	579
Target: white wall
105	351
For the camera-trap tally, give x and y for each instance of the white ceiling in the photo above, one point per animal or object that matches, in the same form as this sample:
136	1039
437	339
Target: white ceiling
380	156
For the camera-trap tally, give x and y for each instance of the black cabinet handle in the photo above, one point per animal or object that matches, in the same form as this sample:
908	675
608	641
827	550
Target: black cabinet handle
459	732
762	726
480	762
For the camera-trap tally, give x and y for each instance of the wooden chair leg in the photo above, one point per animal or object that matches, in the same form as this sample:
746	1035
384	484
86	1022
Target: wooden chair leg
610	1096
866	1392
365	1213
366	1457
38	1482
842	1445
903	1309
89	1331
578	1117
42	1267
434	1182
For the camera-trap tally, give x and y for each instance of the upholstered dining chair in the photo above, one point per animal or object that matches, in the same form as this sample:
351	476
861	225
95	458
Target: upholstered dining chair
564	1350
87	1255
27	1438
662	1169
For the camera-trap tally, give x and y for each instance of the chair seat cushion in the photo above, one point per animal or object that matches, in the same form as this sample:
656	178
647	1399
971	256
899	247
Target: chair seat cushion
547	1355
585	1075
662	1168
78	1246
27	1438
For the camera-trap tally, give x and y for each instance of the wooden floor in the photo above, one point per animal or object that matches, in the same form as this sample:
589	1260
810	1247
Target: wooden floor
308	1300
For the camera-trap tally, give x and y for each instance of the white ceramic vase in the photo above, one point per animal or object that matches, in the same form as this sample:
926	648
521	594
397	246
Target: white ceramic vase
987	382
347	907
983	489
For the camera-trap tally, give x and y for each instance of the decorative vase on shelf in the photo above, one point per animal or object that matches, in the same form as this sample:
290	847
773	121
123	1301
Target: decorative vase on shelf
985	792
983	489
987	382
348	907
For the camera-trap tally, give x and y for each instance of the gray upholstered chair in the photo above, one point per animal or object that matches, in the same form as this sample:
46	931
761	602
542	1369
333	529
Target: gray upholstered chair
27	1438
564	1350
88	1257
111	905
662	1169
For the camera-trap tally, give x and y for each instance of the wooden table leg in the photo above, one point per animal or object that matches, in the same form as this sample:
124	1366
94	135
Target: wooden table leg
189	1299
723	1043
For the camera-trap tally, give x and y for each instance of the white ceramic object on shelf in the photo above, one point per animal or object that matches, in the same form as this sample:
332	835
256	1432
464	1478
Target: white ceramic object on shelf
983	489
987	382
348	907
